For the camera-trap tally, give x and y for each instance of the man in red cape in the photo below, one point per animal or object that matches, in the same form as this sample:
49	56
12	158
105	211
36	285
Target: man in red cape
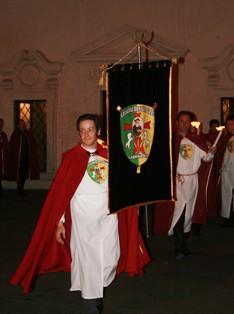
164	210
45	254
178	219
224	174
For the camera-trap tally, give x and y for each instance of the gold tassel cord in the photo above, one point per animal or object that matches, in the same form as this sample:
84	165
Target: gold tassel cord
173	59
105	68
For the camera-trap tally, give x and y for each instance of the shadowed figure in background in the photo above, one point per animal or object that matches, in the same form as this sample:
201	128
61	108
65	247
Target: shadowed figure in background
24	158
4	155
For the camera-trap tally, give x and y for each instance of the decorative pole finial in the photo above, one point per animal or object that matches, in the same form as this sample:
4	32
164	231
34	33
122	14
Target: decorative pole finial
140	40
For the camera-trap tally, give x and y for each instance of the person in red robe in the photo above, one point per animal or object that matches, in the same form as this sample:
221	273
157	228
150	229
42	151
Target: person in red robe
49	249
210	137
24	158
4	154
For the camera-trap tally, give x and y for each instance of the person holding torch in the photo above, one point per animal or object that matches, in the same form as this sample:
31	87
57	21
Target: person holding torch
225	171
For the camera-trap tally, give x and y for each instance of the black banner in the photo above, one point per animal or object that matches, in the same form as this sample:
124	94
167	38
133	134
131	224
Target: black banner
132	93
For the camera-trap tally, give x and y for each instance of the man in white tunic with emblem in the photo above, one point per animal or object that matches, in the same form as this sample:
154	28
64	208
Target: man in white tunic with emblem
94	234
74	231
225	167
189	152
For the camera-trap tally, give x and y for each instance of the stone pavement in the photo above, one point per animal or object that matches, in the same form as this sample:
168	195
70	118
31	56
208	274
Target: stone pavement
199	284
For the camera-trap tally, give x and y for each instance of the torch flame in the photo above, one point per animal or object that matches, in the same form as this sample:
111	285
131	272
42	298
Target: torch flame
102	142
220	128
196	124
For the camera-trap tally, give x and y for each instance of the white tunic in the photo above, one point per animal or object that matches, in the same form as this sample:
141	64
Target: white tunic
189	161
94	234
227	179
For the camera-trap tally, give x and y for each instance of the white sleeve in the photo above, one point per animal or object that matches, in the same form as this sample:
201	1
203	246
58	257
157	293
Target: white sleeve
63	218
208	157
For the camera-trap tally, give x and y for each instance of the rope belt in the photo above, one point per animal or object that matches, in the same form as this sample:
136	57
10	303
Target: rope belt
180	177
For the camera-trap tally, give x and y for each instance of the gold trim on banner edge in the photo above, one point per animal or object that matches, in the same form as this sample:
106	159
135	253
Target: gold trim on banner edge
170	123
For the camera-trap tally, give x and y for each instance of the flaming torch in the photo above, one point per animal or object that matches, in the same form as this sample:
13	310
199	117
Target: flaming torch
220	129
196	124
102	142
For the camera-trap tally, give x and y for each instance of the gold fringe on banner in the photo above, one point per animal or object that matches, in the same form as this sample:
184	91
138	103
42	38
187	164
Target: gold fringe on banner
170	139
107	109
107	128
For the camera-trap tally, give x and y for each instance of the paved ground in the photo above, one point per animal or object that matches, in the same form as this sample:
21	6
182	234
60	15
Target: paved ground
200	284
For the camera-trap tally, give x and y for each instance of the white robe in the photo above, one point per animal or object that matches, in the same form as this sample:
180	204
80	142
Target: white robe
189	161
227	179
94	243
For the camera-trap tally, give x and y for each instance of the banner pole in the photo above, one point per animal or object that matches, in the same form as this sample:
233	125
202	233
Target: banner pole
139	55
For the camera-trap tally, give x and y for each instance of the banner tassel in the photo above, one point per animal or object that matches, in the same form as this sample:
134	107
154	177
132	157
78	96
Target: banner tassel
138	169
102	79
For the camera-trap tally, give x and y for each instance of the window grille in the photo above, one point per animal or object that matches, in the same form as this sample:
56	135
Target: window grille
227	108
33	113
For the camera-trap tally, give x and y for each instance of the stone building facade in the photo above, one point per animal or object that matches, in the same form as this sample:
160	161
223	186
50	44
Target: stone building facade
52	51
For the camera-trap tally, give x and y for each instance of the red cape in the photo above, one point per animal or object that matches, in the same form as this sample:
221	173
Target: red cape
209	137
164	211
45	254
221	151
200	209
212	203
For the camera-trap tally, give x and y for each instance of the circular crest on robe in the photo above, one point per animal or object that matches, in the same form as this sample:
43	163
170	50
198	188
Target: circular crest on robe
97	171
